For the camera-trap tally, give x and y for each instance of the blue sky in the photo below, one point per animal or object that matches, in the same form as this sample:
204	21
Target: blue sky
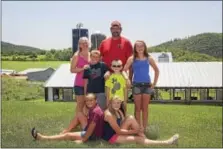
48	24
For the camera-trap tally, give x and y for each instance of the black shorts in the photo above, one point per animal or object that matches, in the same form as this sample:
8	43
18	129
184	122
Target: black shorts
78	90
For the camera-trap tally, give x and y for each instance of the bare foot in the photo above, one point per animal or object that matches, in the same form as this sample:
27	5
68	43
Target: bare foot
174	139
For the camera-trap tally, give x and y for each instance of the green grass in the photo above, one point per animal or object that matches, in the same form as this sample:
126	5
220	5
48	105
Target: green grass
22	65
198	126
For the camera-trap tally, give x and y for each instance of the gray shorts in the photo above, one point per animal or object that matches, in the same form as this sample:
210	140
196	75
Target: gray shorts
101	100
142	88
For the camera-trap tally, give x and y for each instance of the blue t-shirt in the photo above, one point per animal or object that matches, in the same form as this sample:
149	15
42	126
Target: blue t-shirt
95	75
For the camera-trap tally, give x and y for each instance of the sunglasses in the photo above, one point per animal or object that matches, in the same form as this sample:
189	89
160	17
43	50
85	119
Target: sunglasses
116	66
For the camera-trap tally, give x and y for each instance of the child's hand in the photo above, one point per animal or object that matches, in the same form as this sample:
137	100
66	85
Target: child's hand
86	67
128	83
107	75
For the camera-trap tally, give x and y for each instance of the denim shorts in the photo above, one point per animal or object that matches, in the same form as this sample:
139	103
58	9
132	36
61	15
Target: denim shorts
142	88
78	90
92	137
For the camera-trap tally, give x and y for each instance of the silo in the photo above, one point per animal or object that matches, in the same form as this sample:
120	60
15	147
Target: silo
76	35
96	39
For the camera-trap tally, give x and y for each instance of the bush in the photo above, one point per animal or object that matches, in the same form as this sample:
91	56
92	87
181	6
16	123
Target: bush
15	89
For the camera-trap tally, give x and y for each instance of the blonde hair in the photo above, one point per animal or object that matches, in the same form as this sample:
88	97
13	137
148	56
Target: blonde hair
111	110
95	52
116	62
83	39
91	96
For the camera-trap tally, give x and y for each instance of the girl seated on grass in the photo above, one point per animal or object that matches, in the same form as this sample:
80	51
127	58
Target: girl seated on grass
92	125
120	129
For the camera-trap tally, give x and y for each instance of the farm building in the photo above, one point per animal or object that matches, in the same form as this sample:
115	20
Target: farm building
37	74
7	72
162	56
185	82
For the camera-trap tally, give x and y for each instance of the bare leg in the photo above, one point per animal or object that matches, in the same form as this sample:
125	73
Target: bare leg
79	118
141	140
131	123
137	101
80	103
145	103
66	136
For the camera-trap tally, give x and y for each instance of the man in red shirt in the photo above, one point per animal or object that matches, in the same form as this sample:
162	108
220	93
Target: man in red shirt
115	47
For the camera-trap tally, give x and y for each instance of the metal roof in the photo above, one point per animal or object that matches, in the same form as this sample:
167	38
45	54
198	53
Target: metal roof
7	71
33	70
62	77
175	74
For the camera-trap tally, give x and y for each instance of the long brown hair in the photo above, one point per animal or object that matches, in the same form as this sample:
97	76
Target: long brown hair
135	54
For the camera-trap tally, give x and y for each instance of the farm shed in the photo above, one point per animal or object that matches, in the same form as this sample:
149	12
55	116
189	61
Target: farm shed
179	82
37	74
7	72
162	56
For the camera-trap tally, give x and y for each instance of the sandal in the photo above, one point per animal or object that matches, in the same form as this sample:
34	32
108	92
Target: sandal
34	133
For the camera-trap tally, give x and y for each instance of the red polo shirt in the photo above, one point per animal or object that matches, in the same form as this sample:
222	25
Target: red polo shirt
115	49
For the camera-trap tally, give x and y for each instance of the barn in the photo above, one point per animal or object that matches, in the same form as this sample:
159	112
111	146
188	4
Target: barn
179	82
37	74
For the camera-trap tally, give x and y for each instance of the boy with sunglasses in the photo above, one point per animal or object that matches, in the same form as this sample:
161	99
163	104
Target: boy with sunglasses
116	83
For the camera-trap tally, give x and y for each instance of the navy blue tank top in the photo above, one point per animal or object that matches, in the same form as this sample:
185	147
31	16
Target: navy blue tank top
108	130
141	71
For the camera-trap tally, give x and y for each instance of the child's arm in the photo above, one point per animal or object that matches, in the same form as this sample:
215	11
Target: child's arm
86	76
73	66
107	90
128	82
107	75
89	131
125	99
156	70
85	86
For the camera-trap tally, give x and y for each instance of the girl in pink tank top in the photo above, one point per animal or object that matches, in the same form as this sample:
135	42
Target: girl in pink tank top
80	62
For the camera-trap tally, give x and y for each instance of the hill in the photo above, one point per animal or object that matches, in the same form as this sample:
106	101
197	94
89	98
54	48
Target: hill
10	49
207	44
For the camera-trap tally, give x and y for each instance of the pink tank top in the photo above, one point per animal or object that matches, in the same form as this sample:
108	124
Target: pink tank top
79	81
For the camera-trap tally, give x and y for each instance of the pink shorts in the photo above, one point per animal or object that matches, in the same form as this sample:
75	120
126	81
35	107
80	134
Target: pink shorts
113	139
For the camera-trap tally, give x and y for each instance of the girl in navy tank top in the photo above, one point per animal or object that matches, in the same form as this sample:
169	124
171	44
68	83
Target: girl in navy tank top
143	86
121	129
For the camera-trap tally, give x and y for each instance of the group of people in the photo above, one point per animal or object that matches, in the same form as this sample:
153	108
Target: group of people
103	78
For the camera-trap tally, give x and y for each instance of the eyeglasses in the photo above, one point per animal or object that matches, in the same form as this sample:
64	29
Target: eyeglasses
116	66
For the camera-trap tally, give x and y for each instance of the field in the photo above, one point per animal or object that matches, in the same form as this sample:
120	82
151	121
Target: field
22	65
198	126
23	107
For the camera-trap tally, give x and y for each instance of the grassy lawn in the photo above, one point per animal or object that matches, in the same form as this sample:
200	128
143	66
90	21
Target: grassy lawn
198	126
22	65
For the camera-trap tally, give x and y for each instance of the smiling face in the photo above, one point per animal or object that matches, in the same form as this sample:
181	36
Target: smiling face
116	103
90	100
140	48
95	56
116	65
83	43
